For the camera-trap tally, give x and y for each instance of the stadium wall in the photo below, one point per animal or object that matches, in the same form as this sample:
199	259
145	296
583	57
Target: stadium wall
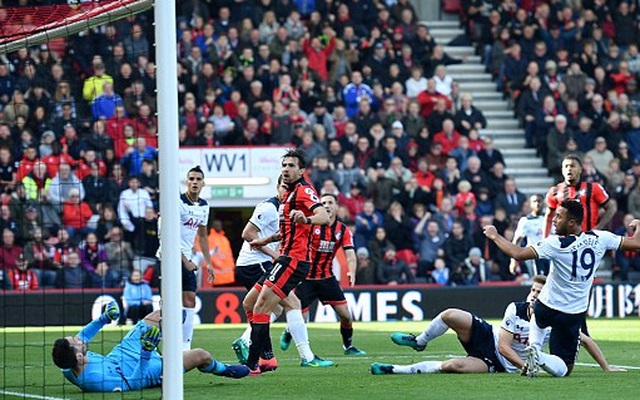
369	303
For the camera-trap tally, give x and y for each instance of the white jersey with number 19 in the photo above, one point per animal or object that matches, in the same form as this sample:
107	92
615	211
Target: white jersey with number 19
574	260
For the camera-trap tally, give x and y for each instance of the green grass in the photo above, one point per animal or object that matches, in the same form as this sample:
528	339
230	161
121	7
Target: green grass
26	368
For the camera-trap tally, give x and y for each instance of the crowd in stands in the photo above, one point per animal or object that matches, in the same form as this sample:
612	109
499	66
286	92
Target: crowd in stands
360	85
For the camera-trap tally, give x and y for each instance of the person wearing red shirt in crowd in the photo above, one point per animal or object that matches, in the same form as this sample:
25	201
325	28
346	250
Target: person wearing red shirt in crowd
125	142
146	125
300	210
116	124
285	93
429	98
29	159
231	105
354	201
76	214
21	277
317	54
56	158
63	248
83	168
321	283
448	137
424	176
592	196
9	251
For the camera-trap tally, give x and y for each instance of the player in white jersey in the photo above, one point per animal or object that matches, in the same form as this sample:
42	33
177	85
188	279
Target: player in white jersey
563	303
531	229
489	348
194	218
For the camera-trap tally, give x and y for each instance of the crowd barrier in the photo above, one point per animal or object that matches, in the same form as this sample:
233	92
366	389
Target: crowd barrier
367	303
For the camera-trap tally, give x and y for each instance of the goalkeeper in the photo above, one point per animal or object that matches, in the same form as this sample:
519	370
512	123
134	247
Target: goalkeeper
133	364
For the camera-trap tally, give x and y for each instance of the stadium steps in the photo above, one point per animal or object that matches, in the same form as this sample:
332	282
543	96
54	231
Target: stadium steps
502	126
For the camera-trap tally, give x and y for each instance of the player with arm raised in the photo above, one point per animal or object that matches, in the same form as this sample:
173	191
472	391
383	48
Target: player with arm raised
563	302
194	217
132	364
299	210
321	283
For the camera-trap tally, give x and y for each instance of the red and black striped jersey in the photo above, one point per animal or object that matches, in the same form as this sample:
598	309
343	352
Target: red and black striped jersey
591	195
325	242
296	237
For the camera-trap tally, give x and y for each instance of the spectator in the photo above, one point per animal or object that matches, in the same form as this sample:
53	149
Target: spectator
318	52
511	200
399	228
440	274
108	219
600	155
120	254
457	246
135	156
76	214
131	207
62	185
136	45
468	116
137	298
9	251
366	270
37	254
355	92
94	85
23	278
73	275
104	105
392	271
431	239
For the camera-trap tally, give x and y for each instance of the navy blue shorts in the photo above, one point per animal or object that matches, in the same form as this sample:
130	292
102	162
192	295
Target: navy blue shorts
328	291
250	275
565	331
189	282
481	344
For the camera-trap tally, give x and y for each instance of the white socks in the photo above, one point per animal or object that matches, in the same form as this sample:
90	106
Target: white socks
187	328
298	330
536	334
552	364
436	328
425	367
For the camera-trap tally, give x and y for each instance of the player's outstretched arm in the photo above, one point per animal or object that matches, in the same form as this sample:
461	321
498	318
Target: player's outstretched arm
632	243
594	350
111	313
610	209
508	248
548	218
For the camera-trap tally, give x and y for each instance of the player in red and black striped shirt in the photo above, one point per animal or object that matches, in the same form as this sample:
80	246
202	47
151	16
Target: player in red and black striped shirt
321	283
299	209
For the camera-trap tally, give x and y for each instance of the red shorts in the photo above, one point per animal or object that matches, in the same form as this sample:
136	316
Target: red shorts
286	274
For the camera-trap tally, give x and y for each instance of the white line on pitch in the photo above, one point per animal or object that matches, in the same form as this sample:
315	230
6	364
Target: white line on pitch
618	366
30	396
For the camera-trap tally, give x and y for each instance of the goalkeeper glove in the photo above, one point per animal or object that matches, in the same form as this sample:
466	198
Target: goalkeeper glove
151	338
111	313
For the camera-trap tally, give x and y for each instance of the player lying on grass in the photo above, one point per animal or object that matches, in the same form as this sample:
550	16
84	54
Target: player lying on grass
562	305
489	348
133	364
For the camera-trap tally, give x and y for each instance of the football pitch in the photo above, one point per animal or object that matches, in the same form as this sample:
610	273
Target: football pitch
27	370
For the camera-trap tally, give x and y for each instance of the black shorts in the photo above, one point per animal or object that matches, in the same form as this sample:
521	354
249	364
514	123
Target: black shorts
328	291
249	275
482	345
189	281
286	274
565	331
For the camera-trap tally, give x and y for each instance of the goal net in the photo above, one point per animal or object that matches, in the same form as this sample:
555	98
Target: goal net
67	123
21	26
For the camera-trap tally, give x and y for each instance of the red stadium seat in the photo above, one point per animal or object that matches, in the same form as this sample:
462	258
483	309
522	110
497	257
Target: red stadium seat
452	6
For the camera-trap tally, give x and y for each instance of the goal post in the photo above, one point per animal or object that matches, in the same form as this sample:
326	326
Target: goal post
32	26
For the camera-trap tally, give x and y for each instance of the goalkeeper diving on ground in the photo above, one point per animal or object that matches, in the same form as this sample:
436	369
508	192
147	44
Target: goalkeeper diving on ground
132	364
